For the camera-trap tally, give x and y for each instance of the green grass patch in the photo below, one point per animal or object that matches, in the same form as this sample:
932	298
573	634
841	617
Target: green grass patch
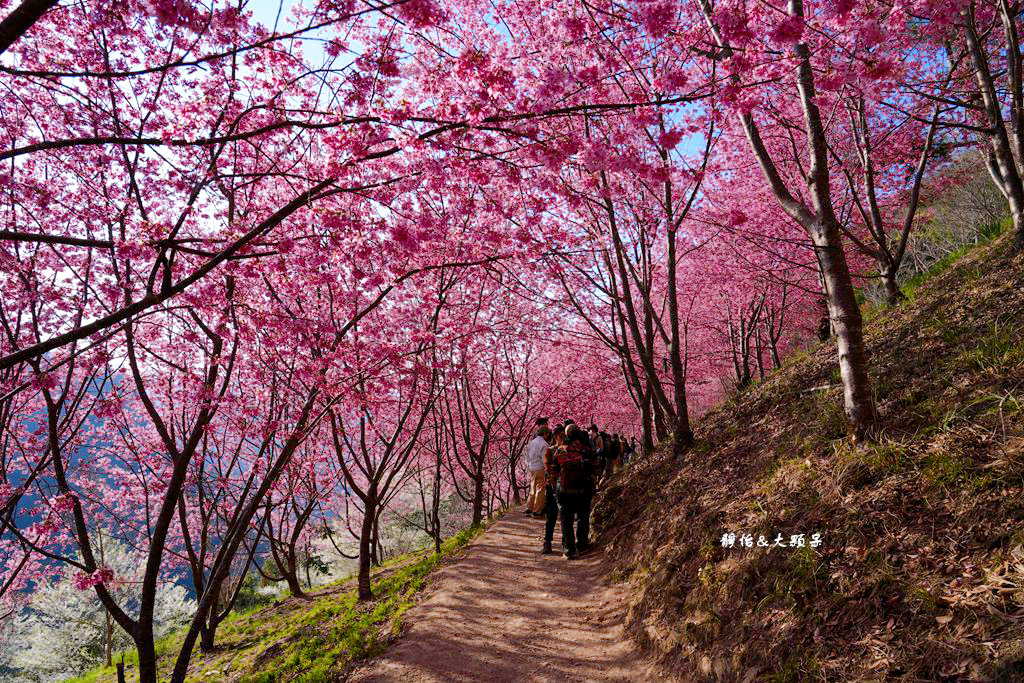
797	667
943	469
914	283
858	466
164	646
1001	348
318	644
949	470
986	234
310	641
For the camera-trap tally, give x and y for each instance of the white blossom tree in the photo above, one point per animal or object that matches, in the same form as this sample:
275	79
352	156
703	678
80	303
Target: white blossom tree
65	631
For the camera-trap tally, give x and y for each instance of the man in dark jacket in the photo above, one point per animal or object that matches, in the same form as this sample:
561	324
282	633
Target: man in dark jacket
572	467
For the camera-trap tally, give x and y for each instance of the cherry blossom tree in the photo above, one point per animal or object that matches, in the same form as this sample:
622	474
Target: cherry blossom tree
262	282
973	74
737	34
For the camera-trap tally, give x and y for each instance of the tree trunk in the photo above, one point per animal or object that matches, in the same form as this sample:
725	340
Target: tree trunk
1003	166
227	552
643	343
108	640
1004	174
660	431
478	498
294	587
823	229
208	637
648	426
759	353
208	629
517	499
893	295
365	539
744	352
435	512
848	325
375	552
682	435
147	655
1018	228
291	577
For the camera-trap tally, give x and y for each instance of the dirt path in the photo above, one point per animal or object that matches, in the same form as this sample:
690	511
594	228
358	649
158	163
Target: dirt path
504	612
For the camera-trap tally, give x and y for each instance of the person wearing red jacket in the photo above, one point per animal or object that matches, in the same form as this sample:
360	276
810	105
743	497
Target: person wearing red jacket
572	470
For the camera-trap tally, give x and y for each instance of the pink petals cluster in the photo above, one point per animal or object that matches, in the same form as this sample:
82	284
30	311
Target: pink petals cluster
85	581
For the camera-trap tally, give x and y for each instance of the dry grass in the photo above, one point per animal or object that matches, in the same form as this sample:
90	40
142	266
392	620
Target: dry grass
920	574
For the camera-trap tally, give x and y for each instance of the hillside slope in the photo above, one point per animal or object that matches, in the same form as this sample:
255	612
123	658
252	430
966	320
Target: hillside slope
310	640
920	575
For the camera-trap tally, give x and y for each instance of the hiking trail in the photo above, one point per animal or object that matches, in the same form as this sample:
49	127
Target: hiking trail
504	612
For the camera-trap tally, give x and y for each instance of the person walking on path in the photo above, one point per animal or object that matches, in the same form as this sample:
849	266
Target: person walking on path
629	449
617	452
551	486
573	464
535	451
593	469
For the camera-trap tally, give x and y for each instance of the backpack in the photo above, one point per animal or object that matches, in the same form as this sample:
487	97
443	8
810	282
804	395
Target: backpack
574	470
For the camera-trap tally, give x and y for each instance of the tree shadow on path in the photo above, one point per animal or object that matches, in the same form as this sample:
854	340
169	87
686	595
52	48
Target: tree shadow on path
504	612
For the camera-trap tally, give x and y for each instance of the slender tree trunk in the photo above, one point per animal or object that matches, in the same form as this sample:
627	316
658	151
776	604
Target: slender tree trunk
682	435
1003	166
644	346
648	427
375	553
758	353
744	352
207	607
291	577
108	640
435	512
824	231
1018	227
294	586
478	497
147	654
365	539
660	430
208	637
517	499
893	295
848	325
208	629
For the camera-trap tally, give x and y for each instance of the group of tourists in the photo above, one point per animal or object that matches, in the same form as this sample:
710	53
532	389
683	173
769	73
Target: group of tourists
568	464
